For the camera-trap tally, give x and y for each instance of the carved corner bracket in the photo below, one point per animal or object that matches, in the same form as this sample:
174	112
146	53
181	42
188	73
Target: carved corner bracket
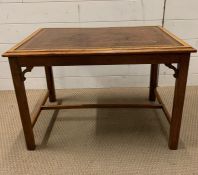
173	68
27	69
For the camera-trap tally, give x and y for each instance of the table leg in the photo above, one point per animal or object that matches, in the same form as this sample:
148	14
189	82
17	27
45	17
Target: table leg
50	83
153	81
22	103
179	95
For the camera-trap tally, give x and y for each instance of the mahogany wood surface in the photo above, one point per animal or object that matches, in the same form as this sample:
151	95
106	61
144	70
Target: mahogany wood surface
165	110
100	46
152	106
22	104
50	83
37	109
153	81
114	40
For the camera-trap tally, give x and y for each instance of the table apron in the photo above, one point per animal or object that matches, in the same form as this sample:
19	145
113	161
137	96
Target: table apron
100	59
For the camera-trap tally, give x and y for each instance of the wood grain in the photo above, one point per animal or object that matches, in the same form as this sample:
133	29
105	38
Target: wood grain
113	40
102	46
51	107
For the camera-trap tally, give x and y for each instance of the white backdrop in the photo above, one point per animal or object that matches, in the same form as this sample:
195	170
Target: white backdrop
19	18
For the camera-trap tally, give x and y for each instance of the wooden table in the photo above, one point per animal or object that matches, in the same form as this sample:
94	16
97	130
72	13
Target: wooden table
49	47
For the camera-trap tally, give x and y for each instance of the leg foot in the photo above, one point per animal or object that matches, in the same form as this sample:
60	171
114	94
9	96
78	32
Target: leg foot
179	95
22	103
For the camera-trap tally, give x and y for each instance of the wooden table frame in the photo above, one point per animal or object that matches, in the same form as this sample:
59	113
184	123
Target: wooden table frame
168	57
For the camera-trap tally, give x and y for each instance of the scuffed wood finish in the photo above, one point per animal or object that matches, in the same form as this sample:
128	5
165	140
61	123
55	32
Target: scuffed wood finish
90	41
151	106
100	46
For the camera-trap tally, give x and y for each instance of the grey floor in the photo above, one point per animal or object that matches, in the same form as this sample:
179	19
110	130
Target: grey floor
99	141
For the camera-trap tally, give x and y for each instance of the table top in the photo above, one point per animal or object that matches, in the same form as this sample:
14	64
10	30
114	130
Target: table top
113	40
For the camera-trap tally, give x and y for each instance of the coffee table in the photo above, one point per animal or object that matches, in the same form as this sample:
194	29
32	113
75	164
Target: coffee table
49	47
